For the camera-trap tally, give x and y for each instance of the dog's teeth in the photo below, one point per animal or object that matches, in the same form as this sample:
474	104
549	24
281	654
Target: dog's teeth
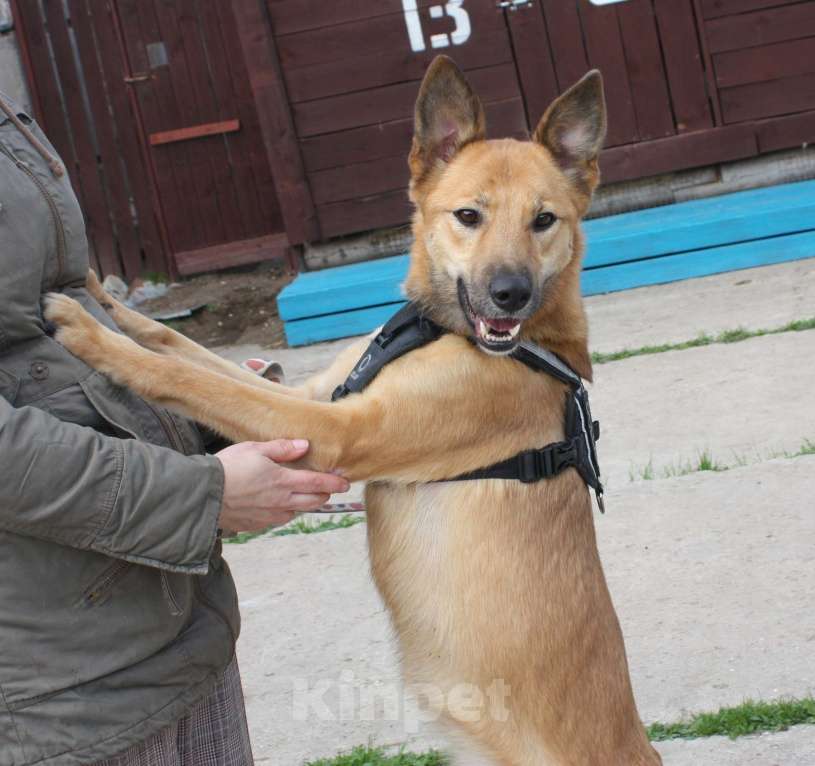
513	333
482	329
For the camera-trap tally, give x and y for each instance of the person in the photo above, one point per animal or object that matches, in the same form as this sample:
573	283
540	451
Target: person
118	614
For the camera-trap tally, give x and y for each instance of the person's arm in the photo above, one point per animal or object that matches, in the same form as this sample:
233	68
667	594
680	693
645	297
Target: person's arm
135	501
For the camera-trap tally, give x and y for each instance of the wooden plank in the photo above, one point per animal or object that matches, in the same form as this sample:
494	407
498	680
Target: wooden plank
360	180
772	25
785	132
766	62
290	16
666	155
568	46
52	119
671	268
158	108
232	254
768	99
379	34
533	58
116	187
131	150
605	50
392	102
241	181
388	173
185	86
344	288
606	279
504	118
94	203
700	224
683	64
366	213
359	322
200	67
712	9
254	186
196	131
372	70
276	124
647	78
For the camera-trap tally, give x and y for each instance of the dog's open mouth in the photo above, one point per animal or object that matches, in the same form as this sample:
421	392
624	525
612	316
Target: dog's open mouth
498	335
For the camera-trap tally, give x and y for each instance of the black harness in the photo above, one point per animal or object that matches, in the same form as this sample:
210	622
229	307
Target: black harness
408	329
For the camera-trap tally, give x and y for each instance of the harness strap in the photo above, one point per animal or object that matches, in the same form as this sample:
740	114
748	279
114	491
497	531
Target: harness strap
405	331
530	466
408	330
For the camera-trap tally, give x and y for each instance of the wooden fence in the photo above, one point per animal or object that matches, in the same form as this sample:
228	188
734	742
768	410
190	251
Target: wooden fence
689	83
203	133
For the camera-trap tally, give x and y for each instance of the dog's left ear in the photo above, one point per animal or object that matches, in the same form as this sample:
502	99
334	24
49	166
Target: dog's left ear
448	116
574	128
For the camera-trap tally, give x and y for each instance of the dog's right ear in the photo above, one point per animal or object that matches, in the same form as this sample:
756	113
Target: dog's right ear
448	116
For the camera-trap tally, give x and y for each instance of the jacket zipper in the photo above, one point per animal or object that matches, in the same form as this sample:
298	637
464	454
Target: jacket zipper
52	205
105	584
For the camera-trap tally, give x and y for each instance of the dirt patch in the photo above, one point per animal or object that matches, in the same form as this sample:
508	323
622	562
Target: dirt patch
240	307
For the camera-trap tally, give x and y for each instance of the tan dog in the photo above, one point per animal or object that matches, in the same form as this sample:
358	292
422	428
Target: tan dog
487	582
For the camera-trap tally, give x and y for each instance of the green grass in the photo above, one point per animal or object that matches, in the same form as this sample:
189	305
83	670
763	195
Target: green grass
727	336
748	718
298	527
705	461
365	756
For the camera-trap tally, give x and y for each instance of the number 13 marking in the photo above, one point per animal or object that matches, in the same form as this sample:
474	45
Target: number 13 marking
453	9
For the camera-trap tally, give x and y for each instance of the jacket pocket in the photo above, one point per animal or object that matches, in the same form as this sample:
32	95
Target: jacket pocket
99	590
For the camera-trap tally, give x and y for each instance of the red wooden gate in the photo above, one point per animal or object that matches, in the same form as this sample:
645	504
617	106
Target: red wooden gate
149	103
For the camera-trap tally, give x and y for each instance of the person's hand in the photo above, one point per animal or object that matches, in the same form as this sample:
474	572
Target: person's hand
259	493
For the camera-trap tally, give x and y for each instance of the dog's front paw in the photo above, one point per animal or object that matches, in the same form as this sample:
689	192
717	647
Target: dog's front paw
94	287
75	327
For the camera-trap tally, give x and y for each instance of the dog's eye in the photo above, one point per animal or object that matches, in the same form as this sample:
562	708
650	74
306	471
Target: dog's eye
544	220
468	216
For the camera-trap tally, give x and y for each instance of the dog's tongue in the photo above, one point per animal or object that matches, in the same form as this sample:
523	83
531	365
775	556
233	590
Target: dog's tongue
502	325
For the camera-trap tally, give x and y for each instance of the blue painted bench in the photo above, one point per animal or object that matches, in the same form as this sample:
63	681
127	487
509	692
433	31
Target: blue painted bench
644	247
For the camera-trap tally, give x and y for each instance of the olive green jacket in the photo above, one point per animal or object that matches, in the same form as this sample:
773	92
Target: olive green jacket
117	612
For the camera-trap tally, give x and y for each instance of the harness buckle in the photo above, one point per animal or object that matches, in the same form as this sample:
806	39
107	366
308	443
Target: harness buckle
528	466
537	464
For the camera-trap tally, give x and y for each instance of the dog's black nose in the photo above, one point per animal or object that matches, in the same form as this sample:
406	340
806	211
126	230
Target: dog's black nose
510	292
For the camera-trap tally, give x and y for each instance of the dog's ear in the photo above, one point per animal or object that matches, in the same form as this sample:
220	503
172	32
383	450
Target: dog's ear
448	116
574	128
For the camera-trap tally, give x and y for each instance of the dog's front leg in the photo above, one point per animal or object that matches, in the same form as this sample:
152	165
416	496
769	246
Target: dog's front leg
164	340
402	428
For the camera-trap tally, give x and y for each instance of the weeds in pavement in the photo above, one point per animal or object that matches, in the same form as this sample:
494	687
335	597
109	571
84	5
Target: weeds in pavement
748	718
365	756
707	462
299	527
727	336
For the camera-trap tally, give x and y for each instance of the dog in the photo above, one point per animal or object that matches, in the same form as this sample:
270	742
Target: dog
487	581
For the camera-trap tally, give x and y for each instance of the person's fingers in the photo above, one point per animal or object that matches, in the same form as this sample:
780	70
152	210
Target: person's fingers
282	450
313	481
308	501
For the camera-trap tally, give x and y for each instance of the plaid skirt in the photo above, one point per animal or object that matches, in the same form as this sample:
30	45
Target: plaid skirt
213	733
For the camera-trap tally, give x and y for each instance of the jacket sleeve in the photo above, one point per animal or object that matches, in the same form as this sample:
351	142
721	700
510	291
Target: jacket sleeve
120	497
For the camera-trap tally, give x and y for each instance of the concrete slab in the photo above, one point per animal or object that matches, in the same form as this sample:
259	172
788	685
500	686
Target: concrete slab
765	297
740	401
795	747
706	570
